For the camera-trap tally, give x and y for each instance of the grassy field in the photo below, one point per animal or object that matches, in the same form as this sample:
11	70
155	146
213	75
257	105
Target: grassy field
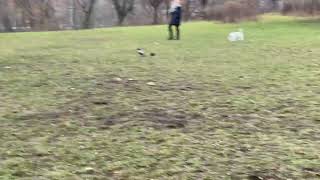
80	105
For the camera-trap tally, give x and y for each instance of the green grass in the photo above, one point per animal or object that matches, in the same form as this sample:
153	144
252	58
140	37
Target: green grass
218	110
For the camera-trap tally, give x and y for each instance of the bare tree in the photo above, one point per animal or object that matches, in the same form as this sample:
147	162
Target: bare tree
27	12
38	14
187	10
155	5
123	8
315	7
167	4
204	3
72	16
46	15
4	16
87	7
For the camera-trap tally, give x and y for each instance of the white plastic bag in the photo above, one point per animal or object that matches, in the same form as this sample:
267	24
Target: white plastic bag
236	36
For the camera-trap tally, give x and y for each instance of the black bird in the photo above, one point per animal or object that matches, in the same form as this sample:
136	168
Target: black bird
141	52
152	54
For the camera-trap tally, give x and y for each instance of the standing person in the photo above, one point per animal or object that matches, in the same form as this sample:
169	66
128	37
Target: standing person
175	19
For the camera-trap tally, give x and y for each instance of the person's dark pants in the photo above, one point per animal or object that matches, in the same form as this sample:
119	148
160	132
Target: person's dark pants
171	34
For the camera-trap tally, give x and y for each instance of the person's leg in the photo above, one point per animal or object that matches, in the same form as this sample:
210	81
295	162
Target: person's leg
170	32
178	32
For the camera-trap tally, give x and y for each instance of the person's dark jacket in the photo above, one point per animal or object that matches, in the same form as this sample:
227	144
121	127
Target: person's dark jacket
176	16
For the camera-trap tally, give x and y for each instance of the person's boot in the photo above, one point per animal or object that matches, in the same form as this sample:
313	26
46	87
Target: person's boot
178	33
170	33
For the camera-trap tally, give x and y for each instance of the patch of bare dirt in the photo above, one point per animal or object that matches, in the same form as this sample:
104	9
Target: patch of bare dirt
90	107
167	119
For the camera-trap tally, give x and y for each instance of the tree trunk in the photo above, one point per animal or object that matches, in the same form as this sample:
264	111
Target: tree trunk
74	15
120	20
187	10
4	16
155	15
123	9
314	5
7	24
89	14
167	2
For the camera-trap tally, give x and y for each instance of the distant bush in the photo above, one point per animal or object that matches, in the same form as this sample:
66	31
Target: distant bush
234	11
301	7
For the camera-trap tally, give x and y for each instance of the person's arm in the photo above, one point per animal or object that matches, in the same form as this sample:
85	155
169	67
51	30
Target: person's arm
179	11
172	9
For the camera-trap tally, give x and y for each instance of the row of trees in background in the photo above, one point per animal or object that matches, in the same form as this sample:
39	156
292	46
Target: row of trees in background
16	15
28	15
51	14
301	7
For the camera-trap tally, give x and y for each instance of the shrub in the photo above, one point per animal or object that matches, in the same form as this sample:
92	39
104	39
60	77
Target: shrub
301	7
234	11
